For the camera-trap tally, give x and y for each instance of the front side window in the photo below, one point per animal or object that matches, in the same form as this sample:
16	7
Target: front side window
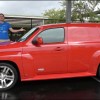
52	35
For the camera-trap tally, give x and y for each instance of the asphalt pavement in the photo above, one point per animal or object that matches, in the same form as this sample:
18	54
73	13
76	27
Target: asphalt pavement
87	88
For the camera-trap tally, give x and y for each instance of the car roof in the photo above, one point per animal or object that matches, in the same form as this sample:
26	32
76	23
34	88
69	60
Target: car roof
72	25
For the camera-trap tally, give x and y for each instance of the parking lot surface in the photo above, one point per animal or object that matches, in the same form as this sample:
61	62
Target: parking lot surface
63	89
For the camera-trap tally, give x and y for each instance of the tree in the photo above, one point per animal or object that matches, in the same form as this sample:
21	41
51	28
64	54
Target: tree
81	10
84	9
55	16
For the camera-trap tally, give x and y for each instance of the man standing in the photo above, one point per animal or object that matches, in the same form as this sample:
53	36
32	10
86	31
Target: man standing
4	28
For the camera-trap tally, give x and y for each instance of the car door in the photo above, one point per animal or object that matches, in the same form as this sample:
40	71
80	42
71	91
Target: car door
51	56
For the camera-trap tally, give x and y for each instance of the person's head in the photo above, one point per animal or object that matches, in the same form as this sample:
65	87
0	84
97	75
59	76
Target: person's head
2	17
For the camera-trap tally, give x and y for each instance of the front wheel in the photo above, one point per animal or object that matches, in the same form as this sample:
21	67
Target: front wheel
8	76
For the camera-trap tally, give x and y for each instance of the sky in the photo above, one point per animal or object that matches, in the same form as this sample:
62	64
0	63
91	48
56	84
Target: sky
34	8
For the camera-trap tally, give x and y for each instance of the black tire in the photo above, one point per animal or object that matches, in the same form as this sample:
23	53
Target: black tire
98	72
11	74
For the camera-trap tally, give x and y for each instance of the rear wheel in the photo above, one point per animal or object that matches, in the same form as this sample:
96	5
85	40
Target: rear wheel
8	76
98	72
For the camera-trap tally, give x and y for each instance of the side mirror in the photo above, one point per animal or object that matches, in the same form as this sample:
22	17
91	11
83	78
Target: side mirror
38	41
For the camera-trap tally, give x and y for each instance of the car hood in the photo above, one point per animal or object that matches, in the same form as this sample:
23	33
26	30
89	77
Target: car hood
5	43
10	46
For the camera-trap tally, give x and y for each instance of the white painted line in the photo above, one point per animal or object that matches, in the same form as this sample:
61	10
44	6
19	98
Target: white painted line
98	80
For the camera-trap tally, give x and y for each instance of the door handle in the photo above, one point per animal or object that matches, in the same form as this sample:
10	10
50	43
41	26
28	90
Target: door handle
59	49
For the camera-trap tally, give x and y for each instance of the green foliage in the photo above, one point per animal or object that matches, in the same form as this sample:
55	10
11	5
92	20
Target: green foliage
81	10
55	16
84	9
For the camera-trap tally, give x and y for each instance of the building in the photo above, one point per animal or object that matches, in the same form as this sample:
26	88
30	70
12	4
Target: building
25	21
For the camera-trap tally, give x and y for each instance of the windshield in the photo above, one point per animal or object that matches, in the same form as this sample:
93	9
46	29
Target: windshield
29	33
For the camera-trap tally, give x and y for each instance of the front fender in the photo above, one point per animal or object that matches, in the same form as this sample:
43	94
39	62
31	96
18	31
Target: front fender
15	57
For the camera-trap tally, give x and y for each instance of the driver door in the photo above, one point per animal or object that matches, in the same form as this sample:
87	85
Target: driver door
51	56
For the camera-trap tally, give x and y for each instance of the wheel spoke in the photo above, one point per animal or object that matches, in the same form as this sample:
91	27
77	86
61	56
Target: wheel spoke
0	76
3	83
5	71
10	77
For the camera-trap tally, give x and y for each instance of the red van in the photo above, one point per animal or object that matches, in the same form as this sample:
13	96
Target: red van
51	52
